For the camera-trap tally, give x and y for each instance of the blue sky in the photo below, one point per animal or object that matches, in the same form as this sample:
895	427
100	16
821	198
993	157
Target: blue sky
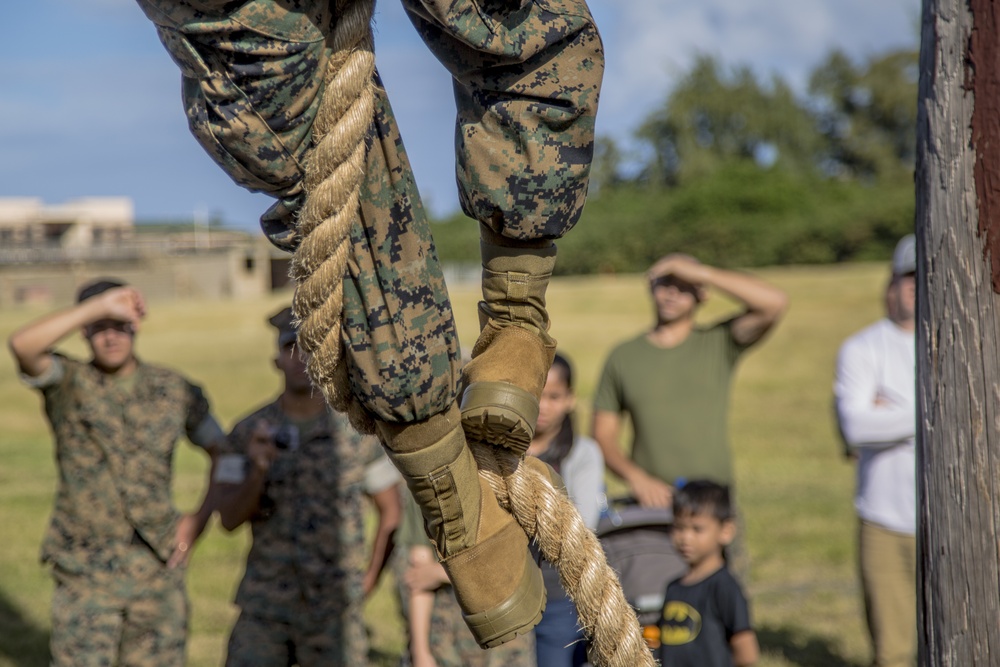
91	101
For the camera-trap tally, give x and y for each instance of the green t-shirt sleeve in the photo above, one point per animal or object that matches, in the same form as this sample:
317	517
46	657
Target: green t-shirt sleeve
733	349
609	389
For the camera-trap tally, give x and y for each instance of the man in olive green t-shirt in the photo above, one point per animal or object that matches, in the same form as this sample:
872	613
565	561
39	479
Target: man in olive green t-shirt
673	381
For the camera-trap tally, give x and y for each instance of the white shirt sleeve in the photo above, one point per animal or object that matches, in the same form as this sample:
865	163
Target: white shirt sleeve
867	415
584	478
380	474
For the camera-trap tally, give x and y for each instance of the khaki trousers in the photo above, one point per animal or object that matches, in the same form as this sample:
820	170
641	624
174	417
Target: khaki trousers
889	580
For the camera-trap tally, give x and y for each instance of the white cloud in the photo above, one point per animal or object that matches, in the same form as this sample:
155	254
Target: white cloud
649	44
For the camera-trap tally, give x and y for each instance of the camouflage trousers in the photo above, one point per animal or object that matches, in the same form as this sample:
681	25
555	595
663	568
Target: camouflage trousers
133	616
526	76
337	641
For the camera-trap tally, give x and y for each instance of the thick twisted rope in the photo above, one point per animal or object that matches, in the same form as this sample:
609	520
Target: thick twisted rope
548	516
334	173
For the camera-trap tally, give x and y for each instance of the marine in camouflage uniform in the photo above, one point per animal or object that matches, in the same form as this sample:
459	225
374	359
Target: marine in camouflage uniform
115	541
302	595
526	78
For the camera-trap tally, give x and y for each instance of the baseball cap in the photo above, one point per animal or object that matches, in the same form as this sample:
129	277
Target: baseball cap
904	257
284	322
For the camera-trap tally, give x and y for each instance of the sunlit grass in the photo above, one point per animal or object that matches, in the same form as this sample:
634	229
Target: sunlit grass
795	487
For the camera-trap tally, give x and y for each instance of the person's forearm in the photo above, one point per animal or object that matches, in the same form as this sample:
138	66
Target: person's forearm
209	501
421	607
876	427
744	648
755	294
606	430
616	461
381	550
389	506
239	504
31	344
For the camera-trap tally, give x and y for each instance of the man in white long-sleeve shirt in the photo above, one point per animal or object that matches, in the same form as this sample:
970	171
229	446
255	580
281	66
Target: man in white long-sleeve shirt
876	410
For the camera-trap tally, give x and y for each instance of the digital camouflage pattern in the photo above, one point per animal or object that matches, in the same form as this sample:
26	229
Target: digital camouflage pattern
399	331
304	572
134	614
527	79
114	523
256	642
114	447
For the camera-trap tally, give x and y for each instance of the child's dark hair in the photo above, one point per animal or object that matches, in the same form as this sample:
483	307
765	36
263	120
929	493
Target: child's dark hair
701	496
563	442
95	287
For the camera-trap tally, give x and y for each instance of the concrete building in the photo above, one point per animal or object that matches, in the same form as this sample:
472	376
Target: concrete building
46	252
81	223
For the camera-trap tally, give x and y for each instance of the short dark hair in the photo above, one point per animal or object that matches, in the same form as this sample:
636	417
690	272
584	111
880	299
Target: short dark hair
701	496
95	287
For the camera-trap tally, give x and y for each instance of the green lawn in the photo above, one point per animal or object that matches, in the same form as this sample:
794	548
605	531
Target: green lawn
795	486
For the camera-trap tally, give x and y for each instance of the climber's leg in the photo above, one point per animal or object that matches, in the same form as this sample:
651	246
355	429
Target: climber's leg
527	79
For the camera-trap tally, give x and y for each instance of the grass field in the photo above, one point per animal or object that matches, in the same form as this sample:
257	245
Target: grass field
795	486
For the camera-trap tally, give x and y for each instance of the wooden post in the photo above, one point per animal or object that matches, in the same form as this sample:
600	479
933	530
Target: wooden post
958	334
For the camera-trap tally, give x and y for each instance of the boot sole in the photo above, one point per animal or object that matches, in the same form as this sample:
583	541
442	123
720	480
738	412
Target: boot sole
516	615
500	414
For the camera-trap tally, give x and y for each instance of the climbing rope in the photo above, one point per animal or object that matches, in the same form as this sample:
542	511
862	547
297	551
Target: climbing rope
334	173
548	516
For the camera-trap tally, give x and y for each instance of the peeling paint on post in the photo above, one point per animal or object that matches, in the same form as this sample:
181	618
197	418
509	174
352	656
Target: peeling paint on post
983	78
958	334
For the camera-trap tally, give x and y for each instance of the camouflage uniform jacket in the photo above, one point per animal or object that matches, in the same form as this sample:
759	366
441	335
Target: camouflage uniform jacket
114	446
308	549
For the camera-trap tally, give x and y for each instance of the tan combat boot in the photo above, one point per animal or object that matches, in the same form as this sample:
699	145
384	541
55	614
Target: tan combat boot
498	585
504	380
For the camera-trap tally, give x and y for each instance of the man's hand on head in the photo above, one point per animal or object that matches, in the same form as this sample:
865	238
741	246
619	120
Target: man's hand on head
682	267
123	304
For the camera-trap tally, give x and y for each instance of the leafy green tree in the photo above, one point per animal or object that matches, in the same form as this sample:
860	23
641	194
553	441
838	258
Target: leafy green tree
867	113
605	170
716	115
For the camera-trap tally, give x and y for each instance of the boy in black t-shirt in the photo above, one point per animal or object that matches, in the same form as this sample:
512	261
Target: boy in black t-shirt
705	620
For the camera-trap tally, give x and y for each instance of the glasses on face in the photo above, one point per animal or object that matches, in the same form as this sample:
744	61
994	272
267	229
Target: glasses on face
110	325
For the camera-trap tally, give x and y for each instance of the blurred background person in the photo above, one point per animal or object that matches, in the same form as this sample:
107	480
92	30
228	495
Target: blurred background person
875	395
559	640
299	473
674	382
116	544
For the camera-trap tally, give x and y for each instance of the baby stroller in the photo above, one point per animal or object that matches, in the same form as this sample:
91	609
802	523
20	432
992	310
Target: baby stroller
637	543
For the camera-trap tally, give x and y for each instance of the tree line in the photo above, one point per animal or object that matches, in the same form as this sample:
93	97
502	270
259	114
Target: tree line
740	171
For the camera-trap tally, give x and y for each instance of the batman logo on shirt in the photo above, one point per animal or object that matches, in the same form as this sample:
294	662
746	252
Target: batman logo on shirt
681	623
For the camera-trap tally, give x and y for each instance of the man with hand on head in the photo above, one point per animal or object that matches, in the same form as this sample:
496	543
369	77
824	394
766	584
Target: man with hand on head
299	474
673	381
116	544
